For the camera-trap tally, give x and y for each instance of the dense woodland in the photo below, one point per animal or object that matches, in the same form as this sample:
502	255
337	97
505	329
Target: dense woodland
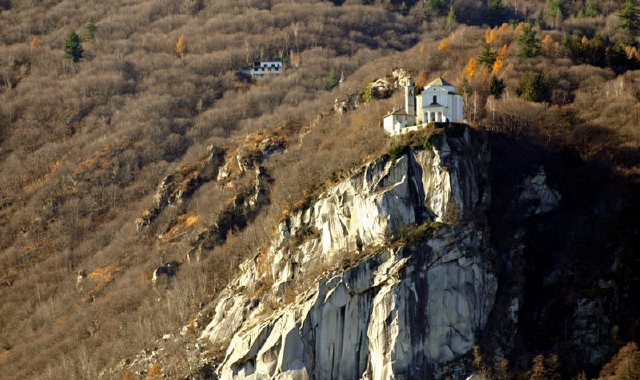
85	143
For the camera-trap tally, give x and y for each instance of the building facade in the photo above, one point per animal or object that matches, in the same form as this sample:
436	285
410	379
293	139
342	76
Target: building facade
436	103
262	68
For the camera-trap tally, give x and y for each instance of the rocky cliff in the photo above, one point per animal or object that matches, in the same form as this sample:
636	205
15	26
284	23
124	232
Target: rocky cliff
385	274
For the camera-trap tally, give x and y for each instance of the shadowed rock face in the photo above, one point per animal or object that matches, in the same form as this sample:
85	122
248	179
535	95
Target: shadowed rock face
353	298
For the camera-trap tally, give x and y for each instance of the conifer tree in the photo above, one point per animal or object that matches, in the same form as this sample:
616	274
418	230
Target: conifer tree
629	16
465	87
404	10
367	94
436	8
333	80
487	56
73	47
91	30
451	20
528	42
495	11
593	8
557	10
534	87
496	87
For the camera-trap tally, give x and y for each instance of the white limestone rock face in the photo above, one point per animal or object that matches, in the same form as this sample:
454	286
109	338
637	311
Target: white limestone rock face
538	195
347	302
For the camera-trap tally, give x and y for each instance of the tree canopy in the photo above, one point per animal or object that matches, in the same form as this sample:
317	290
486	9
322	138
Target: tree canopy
73	47
487	56
629	16
528	42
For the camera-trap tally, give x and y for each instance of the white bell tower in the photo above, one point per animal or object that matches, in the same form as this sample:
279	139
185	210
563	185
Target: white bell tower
410	97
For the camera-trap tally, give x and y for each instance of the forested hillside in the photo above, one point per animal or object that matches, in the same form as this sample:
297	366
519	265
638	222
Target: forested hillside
138	142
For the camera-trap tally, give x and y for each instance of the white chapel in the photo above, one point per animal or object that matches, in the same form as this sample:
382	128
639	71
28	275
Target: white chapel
436	103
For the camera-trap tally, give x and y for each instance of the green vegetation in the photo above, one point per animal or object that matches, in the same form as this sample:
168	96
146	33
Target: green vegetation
557	10
73	47
333	80
305	233
629	15
495	12
592	8
404	10
528	42
398	150
487	56
436	8
433	139
367	91
416	233
91	30
496	87
535	87
452	20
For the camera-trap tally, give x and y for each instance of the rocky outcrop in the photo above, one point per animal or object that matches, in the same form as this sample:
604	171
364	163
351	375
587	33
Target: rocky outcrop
386	274
241	209
237	211
180	185
537	196
380	88
405	311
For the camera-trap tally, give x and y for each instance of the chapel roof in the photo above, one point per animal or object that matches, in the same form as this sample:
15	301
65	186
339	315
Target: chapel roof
439	82
397	112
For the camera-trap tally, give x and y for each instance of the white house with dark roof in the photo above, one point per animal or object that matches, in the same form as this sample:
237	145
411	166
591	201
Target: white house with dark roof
261	68
436	103
395	121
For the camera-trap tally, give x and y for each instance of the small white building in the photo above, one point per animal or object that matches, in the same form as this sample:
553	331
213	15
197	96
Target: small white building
261	68
436	103
394	121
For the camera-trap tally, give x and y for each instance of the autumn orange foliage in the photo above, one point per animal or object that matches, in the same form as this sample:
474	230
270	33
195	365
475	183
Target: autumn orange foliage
35	43
471	68
444	45
154	372
181	46
490	35
498	65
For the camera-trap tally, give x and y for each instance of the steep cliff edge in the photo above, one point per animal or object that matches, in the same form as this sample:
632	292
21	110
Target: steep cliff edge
387	273
403	268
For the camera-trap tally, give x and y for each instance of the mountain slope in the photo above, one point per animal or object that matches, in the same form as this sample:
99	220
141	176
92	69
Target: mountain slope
140	156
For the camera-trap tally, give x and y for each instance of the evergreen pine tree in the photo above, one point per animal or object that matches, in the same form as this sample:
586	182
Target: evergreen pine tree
487	56
534	87
404	10
73	47
333	80
557	10
436	8
528	42
465	87
495	11
629	16
593	8
451	20
367	94
496	87
91	30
